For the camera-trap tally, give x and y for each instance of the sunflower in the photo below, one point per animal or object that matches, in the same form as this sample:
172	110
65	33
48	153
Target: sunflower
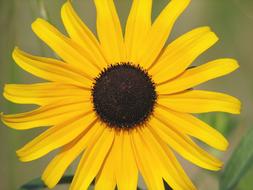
124	102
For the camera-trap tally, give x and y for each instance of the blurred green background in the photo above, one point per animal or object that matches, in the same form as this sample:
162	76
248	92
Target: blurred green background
232	20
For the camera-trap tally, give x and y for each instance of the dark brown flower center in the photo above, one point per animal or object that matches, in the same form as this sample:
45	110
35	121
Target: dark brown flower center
124	95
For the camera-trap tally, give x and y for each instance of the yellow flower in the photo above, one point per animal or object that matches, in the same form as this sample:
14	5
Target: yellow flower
124	101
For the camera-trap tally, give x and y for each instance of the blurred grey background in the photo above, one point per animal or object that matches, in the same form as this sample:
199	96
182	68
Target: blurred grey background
232	20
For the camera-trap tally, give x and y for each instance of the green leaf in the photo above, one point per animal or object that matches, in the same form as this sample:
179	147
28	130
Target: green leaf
239	163
37	183
246	182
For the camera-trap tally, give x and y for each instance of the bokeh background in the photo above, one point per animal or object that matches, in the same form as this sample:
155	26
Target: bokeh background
232	20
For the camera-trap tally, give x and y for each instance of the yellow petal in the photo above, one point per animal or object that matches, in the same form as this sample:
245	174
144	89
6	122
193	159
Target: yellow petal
92	160
43	93
170	168
126	168
106	178
159	32
50	69
81	34
191	125
55	137
146	162
109	31
138	24
47	115
181	173
56	168
181	53
199	101
184	146
66	48
198	75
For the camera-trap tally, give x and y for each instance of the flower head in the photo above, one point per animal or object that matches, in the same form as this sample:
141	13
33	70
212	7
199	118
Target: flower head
123	102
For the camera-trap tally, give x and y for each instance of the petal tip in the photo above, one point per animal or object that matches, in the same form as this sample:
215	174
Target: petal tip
225	145
3	119
21	159
235	63
37	20
2	116
65	6
18	152
14	52
16	48
47	182
239	107
22	156
218	166
214	36
37	23
68	2
6	88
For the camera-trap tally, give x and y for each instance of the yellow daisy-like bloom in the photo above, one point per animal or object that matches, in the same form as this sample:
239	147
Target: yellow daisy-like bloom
126	102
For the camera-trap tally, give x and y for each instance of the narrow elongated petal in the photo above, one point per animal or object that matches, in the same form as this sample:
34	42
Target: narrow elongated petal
192	126
92	160
170	169
109	31
66	48
56	168
198	75
50	69
181	53
181	175
47	115
55	137
185	146
159	32
138	24
199	101
44	93
81	34
145	162
126	168
106	178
